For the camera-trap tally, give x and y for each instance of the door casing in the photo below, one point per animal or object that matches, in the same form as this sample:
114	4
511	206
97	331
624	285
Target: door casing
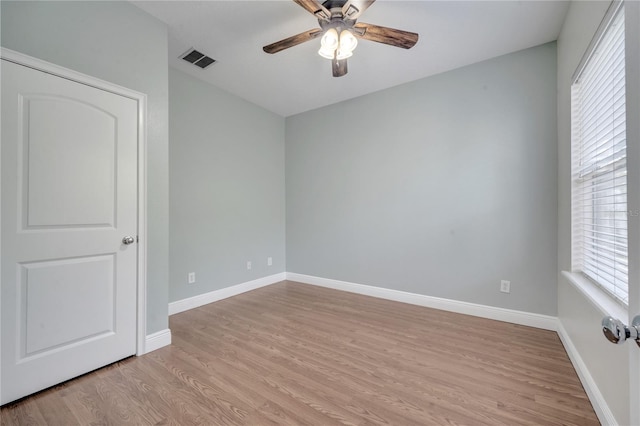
141	99
632	59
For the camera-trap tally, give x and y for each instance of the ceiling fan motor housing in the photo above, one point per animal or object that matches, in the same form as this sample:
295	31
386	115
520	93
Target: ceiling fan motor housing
338	20
332	4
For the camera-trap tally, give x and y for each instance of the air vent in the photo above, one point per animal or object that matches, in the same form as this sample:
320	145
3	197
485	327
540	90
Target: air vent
198	59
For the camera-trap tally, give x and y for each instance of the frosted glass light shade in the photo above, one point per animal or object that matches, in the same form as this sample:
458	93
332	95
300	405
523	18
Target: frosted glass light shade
343	53
348	41
330	39
326	53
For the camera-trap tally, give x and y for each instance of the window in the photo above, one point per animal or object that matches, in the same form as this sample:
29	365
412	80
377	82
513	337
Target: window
599	162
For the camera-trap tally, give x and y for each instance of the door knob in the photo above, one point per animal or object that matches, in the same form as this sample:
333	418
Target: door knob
617	332
128	240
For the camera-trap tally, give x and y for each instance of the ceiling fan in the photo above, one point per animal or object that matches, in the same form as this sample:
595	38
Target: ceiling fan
340	31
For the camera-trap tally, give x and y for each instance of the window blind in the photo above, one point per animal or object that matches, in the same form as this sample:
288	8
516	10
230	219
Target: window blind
599	164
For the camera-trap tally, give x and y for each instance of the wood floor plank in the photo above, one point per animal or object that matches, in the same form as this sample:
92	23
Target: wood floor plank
25	412
54	410
294	354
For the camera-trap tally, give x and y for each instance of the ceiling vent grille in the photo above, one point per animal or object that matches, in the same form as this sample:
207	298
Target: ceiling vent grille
196	58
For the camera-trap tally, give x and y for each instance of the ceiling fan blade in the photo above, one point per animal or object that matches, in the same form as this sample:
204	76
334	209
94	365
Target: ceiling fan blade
316	8
292	41
339	67
354	8
390	36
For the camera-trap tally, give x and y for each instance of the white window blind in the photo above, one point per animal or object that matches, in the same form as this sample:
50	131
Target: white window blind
599	164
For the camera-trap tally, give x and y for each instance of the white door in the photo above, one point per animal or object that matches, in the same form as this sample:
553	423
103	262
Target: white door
69	196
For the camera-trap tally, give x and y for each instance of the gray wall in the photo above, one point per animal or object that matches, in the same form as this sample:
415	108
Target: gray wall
443	186
117	42
227	188
578	315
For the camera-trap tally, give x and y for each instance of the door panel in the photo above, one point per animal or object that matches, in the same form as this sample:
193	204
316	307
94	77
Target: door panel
84	144
59	306
69	196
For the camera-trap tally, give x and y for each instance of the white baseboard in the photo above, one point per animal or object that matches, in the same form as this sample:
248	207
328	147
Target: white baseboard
223	293
604	413
157	340
545	322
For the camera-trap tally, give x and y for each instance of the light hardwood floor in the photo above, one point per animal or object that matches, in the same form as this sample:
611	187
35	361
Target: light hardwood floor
297	354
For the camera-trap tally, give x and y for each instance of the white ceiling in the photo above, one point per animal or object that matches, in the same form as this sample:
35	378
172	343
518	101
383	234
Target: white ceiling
452	34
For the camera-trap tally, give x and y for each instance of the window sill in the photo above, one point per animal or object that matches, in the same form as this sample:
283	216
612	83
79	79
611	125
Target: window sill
598	297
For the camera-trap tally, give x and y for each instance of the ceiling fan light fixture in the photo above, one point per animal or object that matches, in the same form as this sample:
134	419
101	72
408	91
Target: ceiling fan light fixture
337	46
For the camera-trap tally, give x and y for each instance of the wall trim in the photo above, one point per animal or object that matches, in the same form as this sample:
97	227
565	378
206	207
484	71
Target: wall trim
157	340
600	406
223	293
600	299
545	322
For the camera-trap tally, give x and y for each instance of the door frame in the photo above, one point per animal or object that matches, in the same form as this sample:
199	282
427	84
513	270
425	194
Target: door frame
141	99
632	52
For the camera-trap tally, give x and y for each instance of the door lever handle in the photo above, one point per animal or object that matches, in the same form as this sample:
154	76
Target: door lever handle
617	332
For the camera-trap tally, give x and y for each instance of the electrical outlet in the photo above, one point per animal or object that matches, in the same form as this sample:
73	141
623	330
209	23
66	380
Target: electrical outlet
269	261
248	265
505	286
191	278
